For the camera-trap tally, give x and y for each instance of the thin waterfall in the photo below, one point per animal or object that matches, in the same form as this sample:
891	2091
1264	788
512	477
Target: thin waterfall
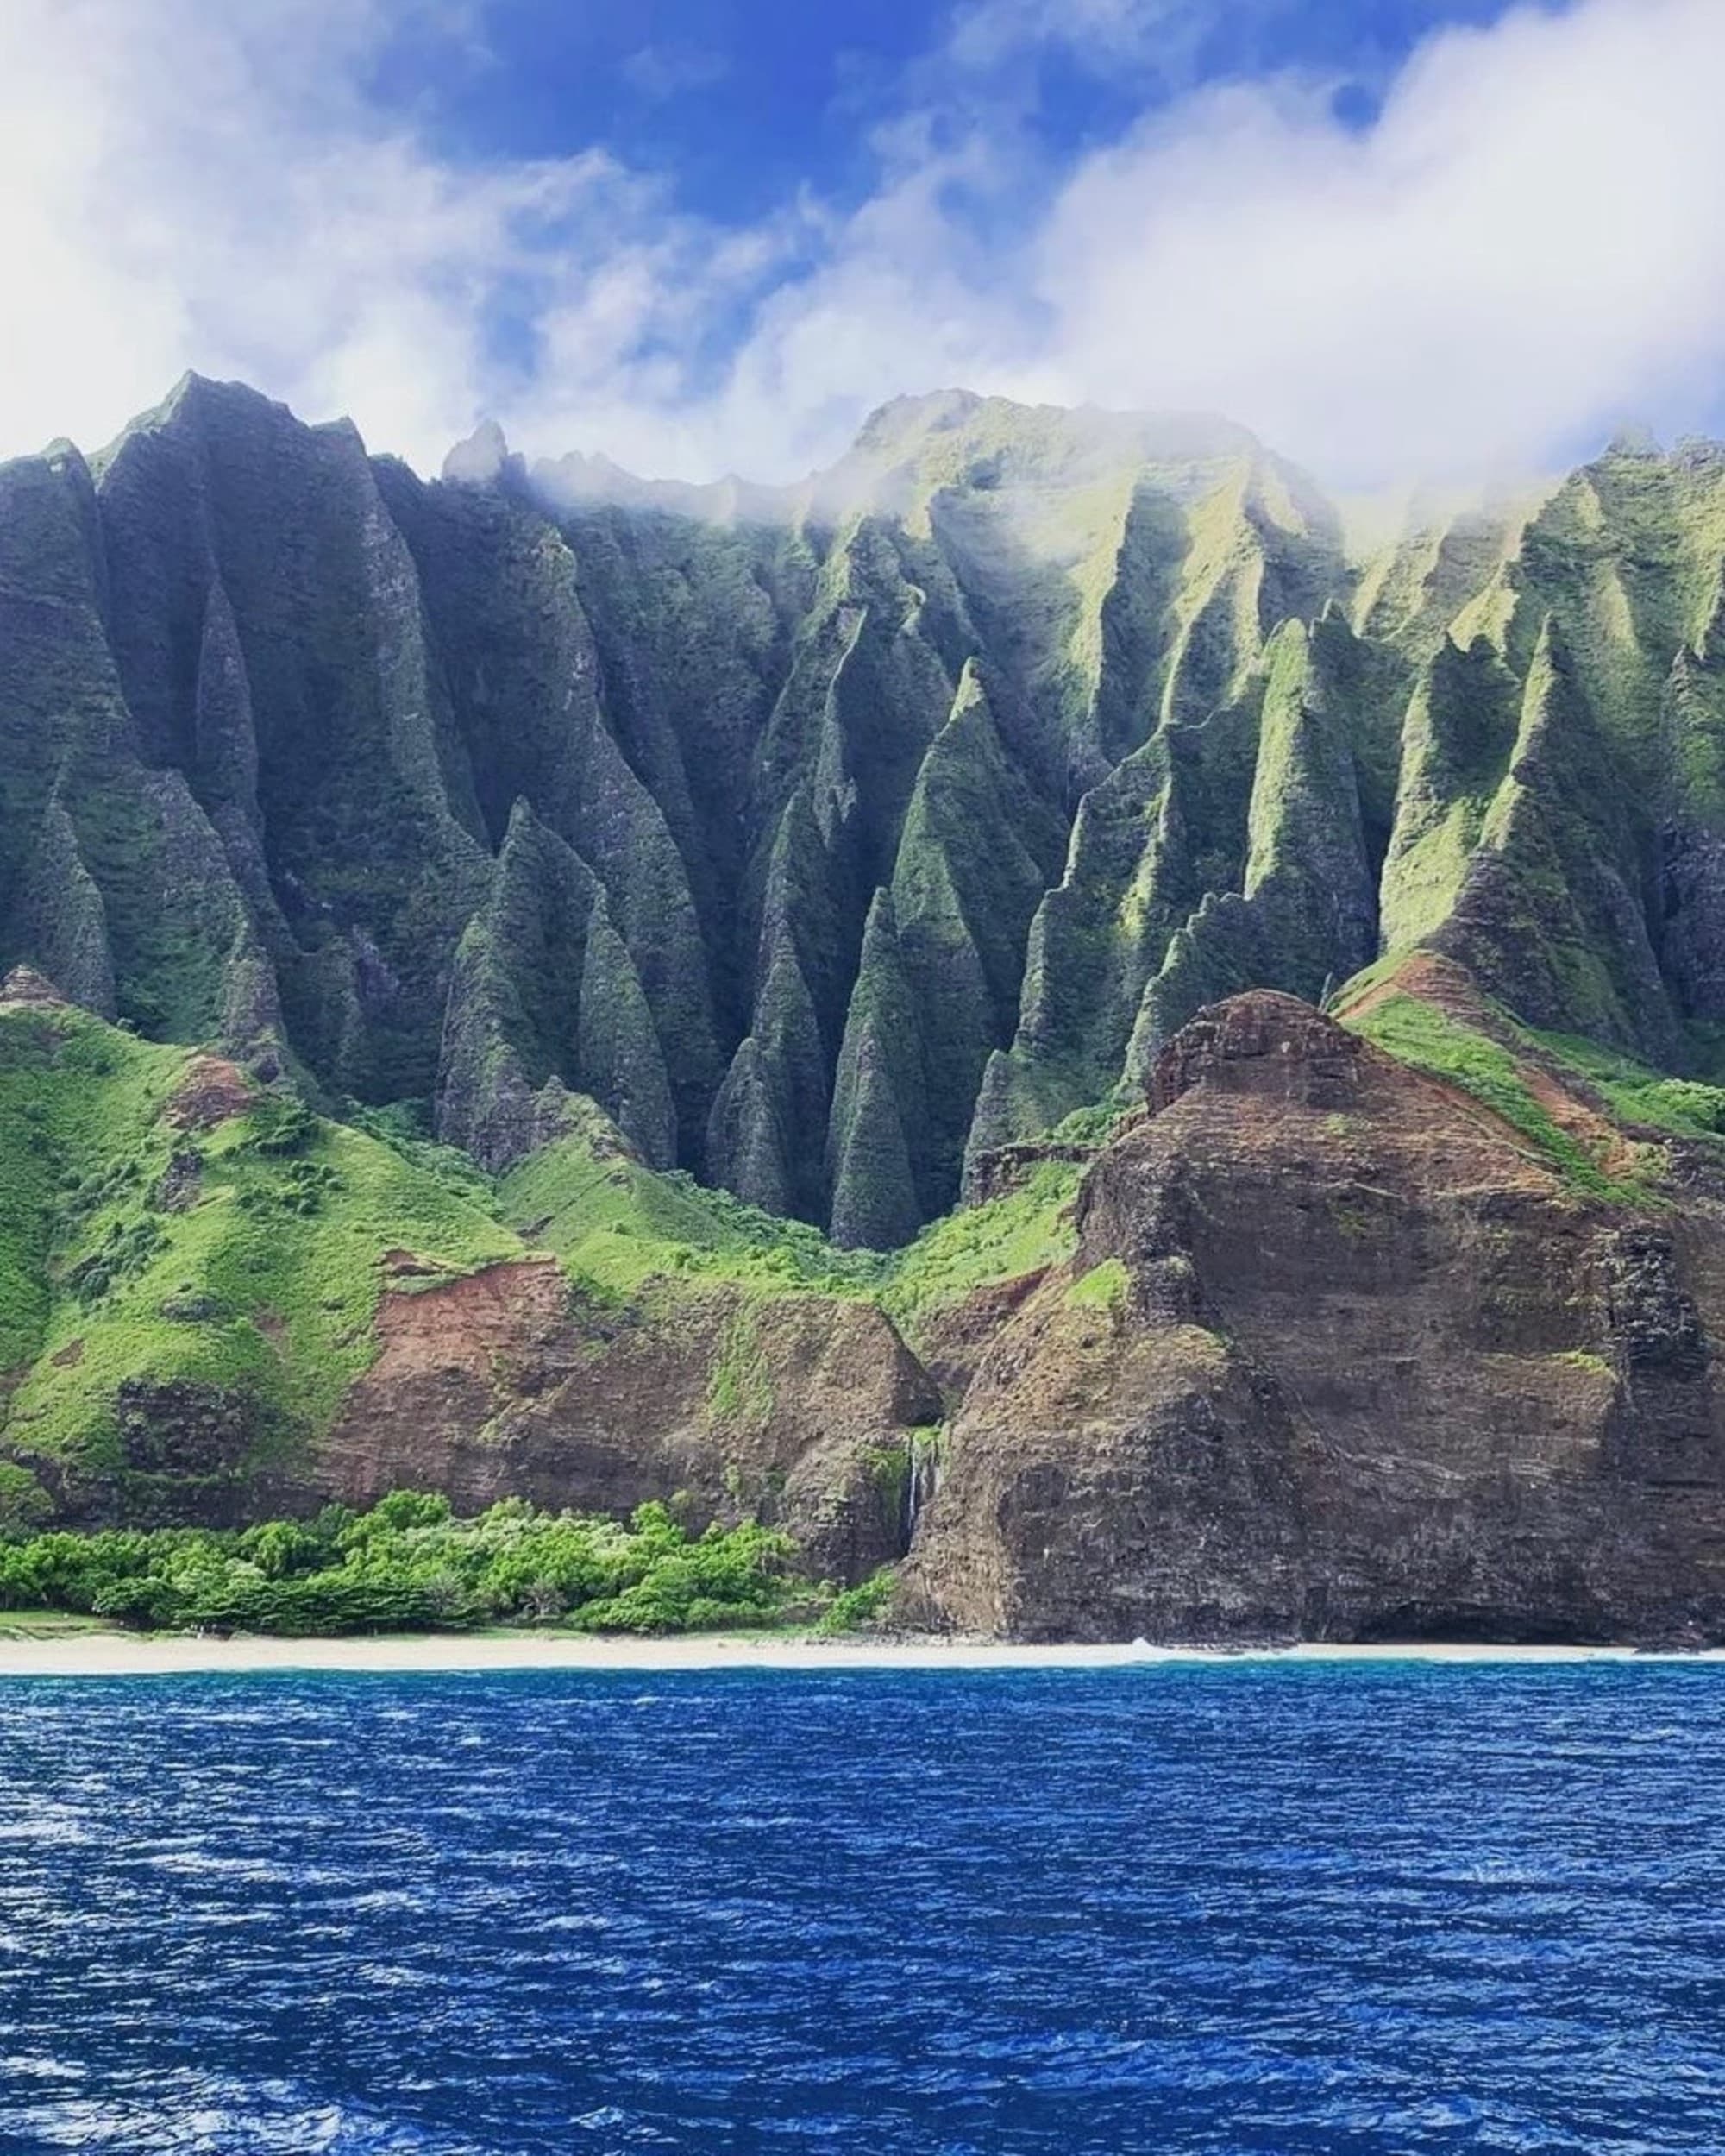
922	1476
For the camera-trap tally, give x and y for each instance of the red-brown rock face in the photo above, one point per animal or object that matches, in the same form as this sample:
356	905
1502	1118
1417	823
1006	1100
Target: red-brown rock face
1341	1356
25	988
502	1383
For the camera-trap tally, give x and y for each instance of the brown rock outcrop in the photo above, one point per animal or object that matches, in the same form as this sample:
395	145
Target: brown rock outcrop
210	1089
792	1408
1341	1355
25	988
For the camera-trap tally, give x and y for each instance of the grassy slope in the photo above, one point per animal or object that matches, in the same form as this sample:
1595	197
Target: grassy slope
1636	1094
1429	1040
268	1282
1026	1229
265	1283
615	1226
1629	1093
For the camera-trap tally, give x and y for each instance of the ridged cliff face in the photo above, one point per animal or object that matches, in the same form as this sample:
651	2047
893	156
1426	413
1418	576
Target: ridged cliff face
897	817
844	848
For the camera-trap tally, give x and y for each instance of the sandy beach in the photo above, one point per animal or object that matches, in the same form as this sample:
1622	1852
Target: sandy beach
120	1654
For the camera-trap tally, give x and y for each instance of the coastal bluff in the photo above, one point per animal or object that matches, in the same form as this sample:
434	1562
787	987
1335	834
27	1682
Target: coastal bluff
1340	1354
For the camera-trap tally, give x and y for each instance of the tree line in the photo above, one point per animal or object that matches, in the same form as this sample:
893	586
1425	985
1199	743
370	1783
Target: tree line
409	1564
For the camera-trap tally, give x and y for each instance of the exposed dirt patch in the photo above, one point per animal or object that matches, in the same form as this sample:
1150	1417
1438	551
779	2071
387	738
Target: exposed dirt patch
1613	1153
209	1091
464	1323
1435	980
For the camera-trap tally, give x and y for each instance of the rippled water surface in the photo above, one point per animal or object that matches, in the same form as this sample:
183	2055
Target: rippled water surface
1395	1909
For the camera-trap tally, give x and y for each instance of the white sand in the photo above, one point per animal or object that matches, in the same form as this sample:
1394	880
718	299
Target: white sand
115	1654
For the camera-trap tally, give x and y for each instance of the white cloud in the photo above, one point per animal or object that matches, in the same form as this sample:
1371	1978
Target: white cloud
991	34
1530	240
188	186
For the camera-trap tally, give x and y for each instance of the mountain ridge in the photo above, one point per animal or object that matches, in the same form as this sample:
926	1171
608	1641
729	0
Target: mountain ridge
745	733
602	1002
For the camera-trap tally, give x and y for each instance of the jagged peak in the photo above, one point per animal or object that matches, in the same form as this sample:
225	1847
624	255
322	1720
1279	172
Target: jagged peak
1698	453
523	825
1446	693
480	459
970	701
1551	646
1635	439
582	479
65	459
193	400
901	420
907	424
1550	674
1287	645
341	428
194	392
911	447
881	929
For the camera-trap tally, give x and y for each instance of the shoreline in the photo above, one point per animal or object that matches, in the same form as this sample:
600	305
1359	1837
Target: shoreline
124	1654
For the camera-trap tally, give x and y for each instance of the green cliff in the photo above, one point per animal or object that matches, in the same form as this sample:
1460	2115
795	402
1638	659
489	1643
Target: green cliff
446	792
723	884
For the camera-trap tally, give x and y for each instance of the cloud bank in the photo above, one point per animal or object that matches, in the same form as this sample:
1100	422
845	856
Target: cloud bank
1526	244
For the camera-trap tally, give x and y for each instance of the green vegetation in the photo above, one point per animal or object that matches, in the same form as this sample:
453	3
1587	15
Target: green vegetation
244	1259
1582	1359
856	1608
740	1390
1418	1034
1638	1095
826	848
408	1565
615	1224
1022	1230
186	1306
813	853
405	1128
1457	740
1103	1287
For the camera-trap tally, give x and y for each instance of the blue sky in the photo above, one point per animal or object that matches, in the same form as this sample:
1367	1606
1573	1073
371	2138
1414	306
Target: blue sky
1402	238
741	106
743	102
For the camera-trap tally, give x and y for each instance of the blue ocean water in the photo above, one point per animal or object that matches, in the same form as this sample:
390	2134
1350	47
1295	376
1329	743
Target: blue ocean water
1390	1909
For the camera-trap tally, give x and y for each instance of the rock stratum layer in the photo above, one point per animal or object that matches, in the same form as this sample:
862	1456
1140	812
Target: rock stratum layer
512	978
